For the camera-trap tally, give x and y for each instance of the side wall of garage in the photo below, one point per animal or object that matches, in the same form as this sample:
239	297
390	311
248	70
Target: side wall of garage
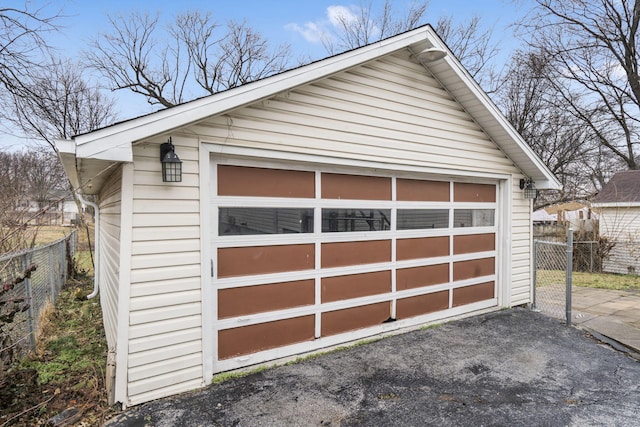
165	331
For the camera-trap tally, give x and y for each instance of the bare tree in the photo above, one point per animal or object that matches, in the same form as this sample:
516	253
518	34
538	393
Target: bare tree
592	49
474	47
532	104
30	181
59	103
202	58
22	41
360	25
469	41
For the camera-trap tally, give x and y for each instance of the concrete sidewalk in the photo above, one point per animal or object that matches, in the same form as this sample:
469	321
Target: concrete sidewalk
614	314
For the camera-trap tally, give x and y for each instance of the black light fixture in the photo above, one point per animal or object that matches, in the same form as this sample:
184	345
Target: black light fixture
530	191
171	163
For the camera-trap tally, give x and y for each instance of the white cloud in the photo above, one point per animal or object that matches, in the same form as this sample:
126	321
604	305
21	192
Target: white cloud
341	14
312	32
321	30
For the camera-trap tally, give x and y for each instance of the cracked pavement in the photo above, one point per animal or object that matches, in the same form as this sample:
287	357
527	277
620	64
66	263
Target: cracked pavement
512	367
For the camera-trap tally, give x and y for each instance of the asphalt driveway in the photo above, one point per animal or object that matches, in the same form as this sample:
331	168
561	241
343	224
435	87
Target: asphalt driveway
513	367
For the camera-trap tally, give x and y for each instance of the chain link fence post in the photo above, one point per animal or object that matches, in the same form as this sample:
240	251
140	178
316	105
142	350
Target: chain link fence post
28	293
569	274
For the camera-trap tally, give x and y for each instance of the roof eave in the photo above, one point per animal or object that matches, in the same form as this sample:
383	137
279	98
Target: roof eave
523	156
67	153
114	142
616	205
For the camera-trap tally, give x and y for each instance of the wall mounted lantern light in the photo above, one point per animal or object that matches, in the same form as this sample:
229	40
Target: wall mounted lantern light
530	191
171	163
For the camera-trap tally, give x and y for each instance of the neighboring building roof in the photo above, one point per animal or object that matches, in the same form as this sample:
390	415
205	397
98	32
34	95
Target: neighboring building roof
622	189
87	156
542	215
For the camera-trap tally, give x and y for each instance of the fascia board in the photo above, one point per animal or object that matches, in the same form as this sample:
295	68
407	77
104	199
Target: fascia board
616	205
67	153
110	143
546	179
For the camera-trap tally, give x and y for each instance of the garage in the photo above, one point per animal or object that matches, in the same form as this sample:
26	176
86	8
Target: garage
363	194
311	257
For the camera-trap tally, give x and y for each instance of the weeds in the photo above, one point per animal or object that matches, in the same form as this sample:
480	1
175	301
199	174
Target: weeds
66	370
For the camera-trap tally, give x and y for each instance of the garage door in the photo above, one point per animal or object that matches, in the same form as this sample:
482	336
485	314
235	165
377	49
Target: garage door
309	258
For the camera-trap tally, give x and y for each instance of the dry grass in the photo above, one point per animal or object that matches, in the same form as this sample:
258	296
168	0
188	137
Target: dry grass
47	234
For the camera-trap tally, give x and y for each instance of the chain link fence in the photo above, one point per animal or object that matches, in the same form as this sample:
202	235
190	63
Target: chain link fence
30	280
553	262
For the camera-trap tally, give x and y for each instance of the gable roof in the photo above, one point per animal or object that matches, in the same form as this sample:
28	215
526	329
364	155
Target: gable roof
622	189
87	156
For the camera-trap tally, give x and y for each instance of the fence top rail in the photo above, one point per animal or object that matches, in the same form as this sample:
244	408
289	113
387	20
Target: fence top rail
546	242
9	256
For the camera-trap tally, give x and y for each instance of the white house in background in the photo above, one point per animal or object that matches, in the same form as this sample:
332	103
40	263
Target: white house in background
541	216
619	206
369	192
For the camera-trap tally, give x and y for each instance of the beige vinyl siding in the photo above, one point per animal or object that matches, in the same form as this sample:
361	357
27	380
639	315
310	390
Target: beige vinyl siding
110	203
373	112
165	346
620	223
622	226
520	280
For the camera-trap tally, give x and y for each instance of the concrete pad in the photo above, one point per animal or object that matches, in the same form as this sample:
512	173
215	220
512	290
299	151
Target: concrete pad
512	367
615	329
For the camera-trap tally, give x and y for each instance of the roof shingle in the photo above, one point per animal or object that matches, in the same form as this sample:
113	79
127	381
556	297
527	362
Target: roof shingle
623	187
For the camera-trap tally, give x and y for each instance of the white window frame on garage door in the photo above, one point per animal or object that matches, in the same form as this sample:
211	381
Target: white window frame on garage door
213	155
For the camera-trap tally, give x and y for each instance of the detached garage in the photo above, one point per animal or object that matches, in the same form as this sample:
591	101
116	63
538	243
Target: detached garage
368	192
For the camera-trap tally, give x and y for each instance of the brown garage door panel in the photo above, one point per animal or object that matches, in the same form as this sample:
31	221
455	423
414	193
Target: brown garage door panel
479	193
339	186
355	285
259	299
265	259
355	253
473	268
261	182
425	247
335	322
417	277
414	190
473	293
474	243
422	304
265	336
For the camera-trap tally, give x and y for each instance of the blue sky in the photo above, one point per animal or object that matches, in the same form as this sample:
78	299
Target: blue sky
295	22
276	19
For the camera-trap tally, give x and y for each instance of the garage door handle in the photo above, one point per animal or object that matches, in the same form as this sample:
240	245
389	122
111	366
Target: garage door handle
243	359
243	319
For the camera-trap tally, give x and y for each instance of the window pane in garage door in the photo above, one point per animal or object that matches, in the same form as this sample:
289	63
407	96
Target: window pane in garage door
340	220
240	221
474	218
415	219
